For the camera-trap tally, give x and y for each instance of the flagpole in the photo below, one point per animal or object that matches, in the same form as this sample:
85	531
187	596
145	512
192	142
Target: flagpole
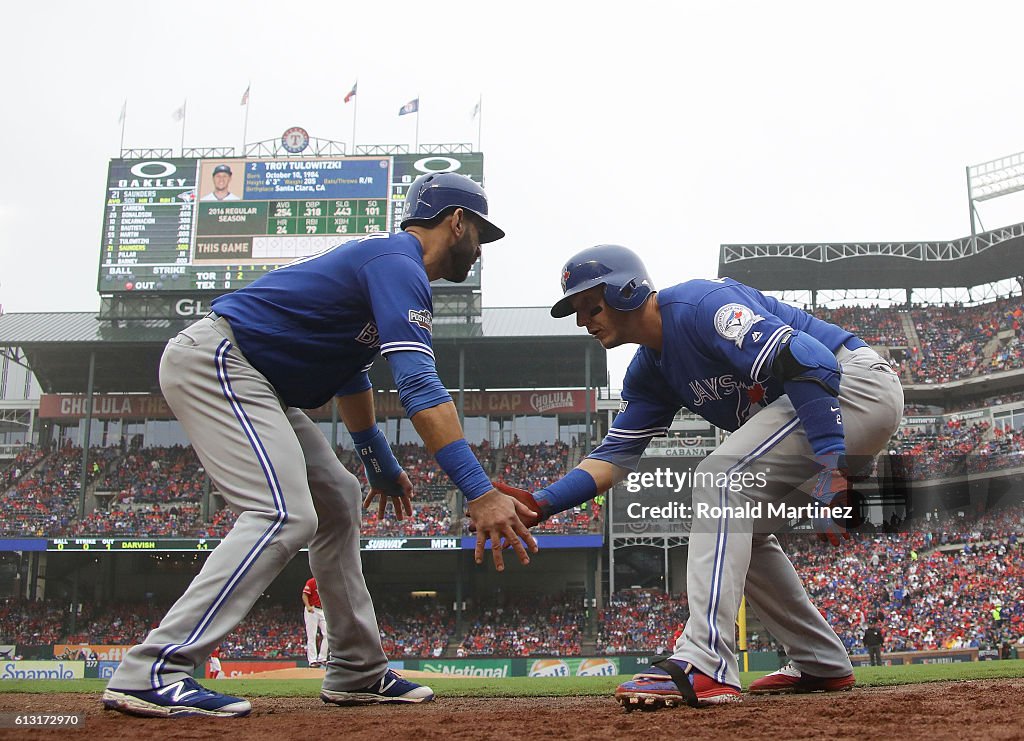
184	114
355	108
416	144
124	117
479	120
245	126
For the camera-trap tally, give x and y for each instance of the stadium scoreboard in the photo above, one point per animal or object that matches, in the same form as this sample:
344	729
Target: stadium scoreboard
217	224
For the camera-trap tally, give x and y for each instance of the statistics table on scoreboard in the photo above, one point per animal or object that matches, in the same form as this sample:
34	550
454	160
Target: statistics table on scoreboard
291	209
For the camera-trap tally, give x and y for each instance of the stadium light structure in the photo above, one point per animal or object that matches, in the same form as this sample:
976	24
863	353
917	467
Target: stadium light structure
998	177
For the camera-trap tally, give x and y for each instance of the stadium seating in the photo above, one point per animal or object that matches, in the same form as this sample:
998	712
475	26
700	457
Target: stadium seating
933	586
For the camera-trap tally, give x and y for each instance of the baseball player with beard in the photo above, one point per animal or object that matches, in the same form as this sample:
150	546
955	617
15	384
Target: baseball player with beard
802	400
238	380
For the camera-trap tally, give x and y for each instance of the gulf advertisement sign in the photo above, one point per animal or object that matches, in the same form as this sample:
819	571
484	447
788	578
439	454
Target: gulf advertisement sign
248	668
594	667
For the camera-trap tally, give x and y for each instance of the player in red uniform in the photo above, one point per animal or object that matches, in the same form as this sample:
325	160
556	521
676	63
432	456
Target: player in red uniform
314	617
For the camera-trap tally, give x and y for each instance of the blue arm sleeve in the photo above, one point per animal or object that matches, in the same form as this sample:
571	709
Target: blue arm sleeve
811	377
415	376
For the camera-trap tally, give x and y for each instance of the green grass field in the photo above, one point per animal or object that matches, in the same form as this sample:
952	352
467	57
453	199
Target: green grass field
547	687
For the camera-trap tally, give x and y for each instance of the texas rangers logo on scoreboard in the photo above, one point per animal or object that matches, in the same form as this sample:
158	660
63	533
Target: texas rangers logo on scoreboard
295	140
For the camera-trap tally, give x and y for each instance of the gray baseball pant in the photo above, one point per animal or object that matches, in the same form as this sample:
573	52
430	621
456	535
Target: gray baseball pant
278	472
730	557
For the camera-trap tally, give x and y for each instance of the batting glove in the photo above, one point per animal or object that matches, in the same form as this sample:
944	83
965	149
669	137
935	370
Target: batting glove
831	490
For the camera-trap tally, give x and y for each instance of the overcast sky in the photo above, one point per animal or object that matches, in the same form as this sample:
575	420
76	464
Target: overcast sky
668	127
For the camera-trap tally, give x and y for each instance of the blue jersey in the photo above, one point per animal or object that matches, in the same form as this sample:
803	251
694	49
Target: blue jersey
315	325
719	339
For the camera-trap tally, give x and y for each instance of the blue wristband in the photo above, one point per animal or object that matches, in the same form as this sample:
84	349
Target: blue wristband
823	424
463	468
572	490
381	466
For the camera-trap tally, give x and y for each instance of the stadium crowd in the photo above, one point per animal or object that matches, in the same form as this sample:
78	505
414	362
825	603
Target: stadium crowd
637	620
526	626
158	491
936	585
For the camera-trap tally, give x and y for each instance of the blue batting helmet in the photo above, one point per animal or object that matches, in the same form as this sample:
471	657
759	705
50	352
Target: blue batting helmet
623	275
434	192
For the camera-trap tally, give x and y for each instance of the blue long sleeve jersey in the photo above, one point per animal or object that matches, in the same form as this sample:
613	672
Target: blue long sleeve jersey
719	339
314	326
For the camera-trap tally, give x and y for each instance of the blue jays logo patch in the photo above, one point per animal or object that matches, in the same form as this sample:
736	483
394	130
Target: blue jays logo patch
733	321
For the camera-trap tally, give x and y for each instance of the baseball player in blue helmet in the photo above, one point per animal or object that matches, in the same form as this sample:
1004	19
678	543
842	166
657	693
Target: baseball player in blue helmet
237	380
802	399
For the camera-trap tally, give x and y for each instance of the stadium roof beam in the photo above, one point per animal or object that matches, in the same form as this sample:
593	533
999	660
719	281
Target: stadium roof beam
967	296
146	154
515	348
209	152
966	262
275	148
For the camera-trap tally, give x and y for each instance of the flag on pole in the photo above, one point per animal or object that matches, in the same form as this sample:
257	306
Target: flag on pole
352	92
124	112
179	114
411	107
245	96
476	110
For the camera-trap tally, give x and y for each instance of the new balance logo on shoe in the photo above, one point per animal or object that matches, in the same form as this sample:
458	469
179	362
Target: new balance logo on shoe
176	691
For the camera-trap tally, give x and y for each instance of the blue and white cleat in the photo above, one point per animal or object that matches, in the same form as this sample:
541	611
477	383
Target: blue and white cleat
176	700
392	687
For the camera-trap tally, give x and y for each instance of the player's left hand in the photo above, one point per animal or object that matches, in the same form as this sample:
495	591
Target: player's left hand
400	493
830	531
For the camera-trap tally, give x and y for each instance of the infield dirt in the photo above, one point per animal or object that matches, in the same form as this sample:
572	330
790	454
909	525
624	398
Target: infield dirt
974	709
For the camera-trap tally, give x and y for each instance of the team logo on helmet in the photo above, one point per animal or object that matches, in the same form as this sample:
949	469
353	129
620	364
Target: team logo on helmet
733	321
565	278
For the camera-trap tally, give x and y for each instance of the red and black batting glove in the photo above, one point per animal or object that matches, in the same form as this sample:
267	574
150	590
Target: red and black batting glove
527	500
832	490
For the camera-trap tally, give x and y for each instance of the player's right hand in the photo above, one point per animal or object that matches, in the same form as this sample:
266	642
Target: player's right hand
497	518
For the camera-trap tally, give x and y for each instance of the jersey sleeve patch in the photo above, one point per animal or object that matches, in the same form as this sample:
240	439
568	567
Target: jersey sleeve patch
422	318
733	322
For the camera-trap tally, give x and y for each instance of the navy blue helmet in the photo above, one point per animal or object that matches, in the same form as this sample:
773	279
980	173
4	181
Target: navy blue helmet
623	275
432	193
